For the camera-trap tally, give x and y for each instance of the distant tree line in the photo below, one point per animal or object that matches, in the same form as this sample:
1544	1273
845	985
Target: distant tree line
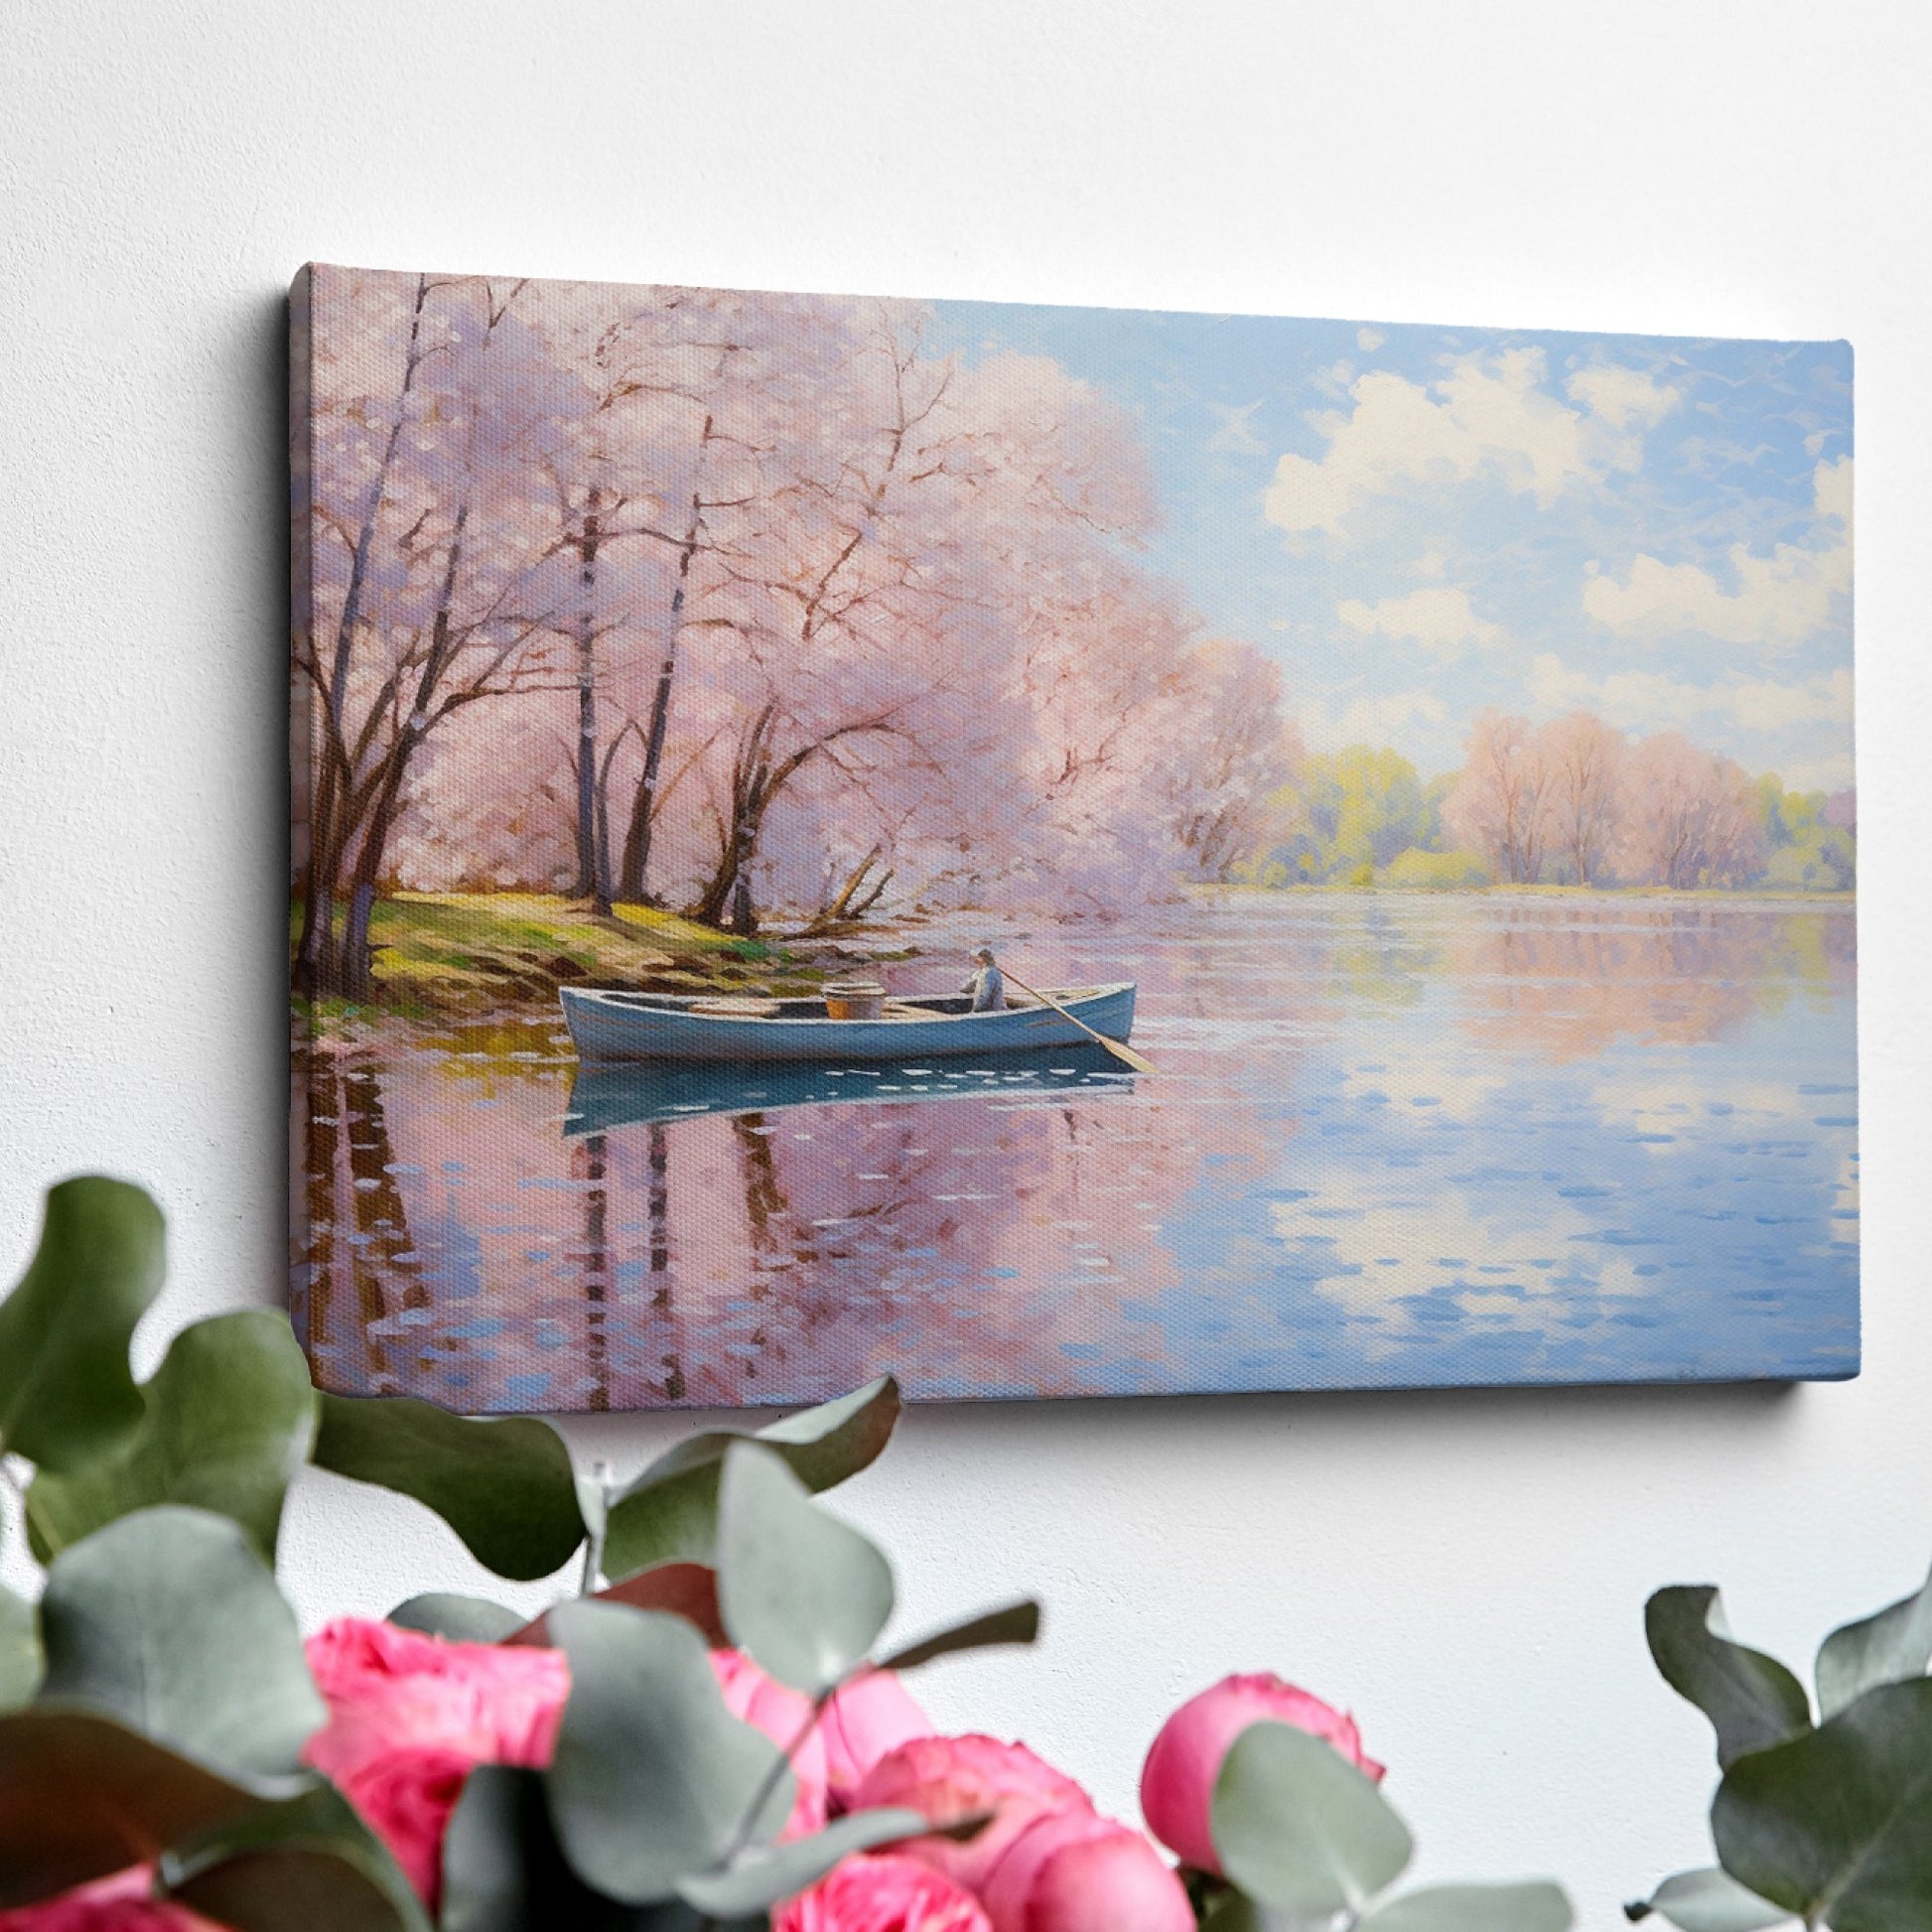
1569	802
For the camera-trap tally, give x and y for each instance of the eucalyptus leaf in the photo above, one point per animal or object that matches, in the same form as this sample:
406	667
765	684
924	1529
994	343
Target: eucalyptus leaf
1836	1826
1889	1648
762	1874
801	1593
1752	1700
462	1619
169	1623
506	1487
1014	1623
505	1871
81	1796
309	1864
1236	1913
686	1590
20	1649
1532	1905
669	1514
653	1780
1709	1900
1298	1828
67	1394
227	1424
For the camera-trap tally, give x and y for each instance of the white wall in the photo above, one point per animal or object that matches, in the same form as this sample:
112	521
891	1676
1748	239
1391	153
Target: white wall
1465	1570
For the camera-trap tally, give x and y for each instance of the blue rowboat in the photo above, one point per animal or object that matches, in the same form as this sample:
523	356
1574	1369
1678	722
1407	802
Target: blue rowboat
609	1024
611	1096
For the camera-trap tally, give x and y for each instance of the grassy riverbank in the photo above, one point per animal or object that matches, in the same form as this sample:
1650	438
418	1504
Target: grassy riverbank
469	950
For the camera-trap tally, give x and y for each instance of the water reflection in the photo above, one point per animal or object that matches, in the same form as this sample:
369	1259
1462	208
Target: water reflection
603	1097
1391	1142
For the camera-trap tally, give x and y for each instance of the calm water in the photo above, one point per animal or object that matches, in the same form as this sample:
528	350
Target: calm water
1394	1141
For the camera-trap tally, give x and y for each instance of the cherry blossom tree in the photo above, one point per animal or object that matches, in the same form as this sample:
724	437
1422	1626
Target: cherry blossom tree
1500	802
1689	817
431	402
1582	759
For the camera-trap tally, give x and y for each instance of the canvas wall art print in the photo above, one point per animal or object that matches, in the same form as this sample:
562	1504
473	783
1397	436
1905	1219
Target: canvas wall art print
1061	851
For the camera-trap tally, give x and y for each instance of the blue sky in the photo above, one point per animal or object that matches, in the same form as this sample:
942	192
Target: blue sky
1417	522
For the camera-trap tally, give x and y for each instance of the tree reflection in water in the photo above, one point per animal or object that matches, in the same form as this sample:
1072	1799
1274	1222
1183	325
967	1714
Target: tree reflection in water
1349	1087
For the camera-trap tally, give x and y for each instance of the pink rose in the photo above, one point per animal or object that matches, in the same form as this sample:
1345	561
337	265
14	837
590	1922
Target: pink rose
1178	1781
124	1903
782	1713
405	1797
948	1778
861	1722
1069	1873
409	1715
882	1892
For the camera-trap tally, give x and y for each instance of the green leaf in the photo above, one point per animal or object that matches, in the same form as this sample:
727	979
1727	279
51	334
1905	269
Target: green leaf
762	1874
653	1780
1889	1648
1014	1624
669	1514
1709	1900
225	1425
506	1488
65	1391
1836	1825
1234	1912
1298	1828
686	1590
81	1796
801	1593
1533	1906
463	1619
505	1871
168	1621
307	1865
1752	1700
20	1649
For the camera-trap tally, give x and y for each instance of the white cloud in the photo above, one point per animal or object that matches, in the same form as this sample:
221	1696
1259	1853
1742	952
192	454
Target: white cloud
1395	718
1622	397
1780	602
1486	418
1441	619
1368	339
1644	701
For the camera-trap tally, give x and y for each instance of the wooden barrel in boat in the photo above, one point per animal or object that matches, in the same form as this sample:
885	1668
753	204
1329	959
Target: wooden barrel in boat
854	1000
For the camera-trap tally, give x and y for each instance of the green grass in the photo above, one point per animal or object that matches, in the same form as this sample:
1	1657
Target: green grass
439	951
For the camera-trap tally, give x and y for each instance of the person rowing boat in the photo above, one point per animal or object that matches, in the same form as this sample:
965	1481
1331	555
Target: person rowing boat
988	985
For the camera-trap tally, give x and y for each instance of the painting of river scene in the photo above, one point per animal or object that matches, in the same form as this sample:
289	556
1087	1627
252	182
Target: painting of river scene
1060	852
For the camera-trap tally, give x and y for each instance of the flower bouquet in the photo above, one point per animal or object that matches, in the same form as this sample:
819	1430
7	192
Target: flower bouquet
708	1735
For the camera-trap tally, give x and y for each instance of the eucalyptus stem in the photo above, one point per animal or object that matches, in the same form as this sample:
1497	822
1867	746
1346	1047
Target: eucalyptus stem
770	1782
600	1474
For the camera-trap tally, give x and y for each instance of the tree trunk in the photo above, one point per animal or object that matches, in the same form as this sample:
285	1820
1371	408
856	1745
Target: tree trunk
633	879
328	839
593	882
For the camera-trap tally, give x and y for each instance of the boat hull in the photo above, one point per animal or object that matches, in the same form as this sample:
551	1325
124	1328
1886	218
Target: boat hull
608	1027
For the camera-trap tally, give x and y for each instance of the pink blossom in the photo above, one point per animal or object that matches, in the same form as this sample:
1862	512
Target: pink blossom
882	1892
409	1715
124	1903
784	1715
405	1797
1073	1872
945	1779
861	1722
1178	1780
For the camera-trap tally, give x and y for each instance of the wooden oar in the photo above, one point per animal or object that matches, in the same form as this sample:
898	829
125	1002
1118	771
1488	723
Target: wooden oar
1117	1047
